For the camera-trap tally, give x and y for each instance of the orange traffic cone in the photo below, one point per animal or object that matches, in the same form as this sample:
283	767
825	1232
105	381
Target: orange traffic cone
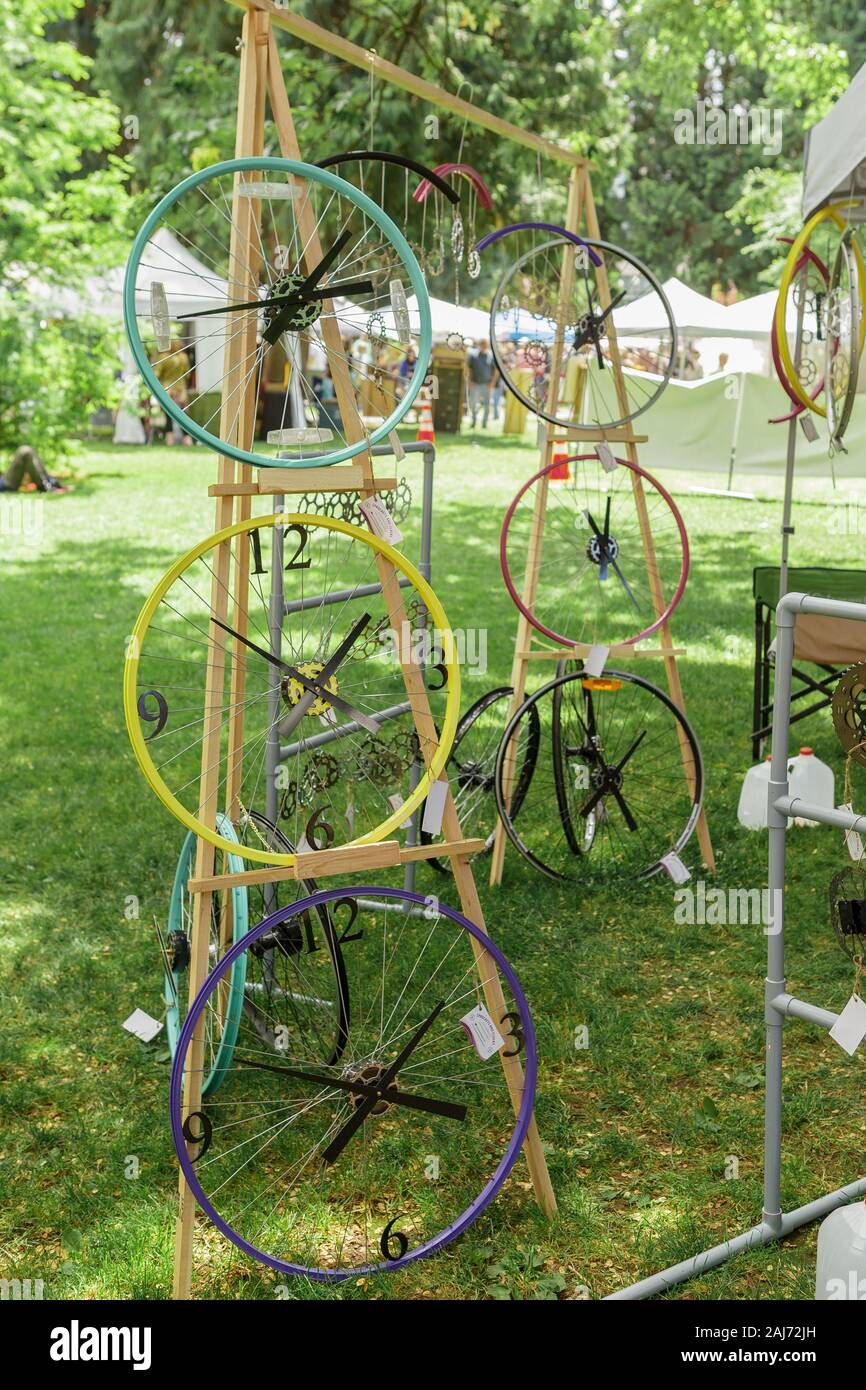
426	432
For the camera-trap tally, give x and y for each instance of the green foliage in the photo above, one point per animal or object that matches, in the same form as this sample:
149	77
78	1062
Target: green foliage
63	208
53	374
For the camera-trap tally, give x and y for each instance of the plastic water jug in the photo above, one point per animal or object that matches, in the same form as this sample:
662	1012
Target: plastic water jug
811	779
841	1270
752	810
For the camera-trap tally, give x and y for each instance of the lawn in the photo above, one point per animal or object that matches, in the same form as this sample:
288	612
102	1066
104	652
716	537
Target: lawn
645	1128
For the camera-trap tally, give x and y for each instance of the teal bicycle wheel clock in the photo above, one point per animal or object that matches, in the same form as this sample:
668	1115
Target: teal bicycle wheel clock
206	321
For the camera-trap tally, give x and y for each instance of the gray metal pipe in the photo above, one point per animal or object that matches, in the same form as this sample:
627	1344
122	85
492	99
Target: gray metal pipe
788	1004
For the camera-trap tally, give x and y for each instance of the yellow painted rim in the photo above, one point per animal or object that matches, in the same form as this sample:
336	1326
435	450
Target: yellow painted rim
130	678
833	212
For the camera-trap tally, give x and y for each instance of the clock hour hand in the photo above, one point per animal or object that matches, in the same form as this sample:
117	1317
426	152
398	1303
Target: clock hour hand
448	1109
324	265
314	690
337	1144
286	301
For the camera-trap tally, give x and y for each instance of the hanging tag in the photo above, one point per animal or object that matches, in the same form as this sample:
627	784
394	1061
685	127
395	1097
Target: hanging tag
303	846
380	520
853	840
396	446
540	433
401	313
483	1033
396	803
266	188
434	808
141	1025
350	810
300	436
849	1030
606	458
807	425
328	716
159	316
595	661
675	868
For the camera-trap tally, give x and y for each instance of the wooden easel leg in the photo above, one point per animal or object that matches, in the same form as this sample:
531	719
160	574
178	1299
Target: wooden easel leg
250	125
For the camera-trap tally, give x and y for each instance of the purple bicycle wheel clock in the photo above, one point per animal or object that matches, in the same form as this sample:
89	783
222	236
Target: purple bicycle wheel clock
384	1156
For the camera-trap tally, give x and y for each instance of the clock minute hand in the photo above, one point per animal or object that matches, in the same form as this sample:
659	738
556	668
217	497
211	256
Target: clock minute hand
449	1109
337	1144
324	264
286	301
337	656
313	689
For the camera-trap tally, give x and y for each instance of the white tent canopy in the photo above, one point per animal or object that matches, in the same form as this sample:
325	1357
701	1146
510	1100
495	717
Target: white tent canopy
834	160
447	319
695	315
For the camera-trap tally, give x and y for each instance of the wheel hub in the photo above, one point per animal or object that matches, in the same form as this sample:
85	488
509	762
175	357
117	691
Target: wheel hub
301	316
293	690
601	554
472	774
370	1074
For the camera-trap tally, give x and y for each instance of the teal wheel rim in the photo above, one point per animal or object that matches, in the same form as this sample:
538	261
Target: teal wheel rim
176	985
311	172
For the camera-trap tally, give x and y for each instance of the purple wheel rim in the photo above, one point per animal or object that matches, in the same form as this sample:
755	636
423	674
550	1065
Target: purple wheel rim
506	1163
527	612
538	227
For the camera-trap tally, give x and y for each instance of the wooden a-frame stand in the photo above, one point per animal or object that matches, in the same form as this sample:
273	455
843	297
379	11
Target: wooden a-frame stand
261	76
581	211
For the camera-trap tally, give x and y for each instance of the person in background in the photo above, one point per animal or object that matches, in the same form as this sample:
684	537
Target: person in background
405	370
26	463
497	391
172	370
480	370
723	361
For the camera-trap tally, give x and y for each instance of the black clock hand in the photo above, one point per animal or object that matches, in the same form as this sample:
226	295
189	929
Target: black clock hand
313	689
337	1145
287	300
595	322
602	540
337	656
445	1108
623	581
324	264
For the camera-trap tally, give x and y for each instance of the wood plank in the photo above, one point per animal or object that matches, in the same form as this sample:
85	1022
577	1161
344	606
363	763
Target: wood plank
383	71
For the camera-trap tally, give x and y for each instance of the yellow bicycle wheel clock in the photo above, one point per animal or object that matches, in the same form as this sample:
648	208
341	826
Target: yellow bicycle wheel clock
324	709
820	234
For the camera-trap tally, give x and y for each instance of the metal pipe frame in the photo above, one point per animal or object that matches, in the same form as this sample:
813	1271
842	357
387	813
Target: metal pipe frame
779	1005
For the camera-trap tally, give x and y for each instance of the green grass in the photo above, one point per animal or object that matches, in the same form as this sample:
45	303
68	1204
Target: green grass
639	1125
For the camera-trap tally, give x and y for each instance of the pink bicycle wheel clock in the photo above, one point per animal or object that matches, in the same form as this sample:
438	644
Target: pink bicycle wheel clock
592	581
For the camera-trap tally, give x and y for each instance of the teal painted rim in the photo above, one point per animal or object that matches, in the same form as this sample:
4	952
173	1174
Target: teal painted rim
267	163
240	919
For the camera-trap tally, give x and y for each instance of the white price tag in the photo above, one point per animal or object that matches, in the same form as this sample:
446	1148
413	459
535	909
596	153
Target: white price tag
395	802
606	458
396	446
142	1026
434	808
380	520
849	1030
485	1036
853	840
595	660
807	425
675	868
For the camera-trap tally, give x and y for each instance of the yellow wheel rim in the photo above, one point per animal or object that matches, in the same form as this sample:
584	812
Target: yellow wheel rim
832	213
130	681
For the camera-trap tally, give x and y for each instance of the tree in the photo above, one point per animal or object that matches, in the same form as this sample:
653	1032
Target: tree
63	211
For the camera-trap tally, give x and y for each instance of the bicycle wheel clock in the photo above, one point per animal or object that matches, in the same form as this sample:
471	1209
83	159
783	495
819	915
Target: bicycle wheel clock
593	583
607	791
336	1171
366	267
589	294
319	669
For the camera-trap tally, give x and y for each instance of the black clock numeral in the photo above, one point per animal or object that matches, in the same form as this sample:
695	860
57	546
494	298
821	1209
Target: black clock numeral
160	718
515	1032
353	908
392	1238
203	1138
258	567
441	670
303	536
315	827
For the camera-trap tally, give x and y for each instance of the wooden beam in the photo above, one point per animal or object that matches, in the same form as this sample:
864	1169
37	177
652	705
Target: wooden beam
384	71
